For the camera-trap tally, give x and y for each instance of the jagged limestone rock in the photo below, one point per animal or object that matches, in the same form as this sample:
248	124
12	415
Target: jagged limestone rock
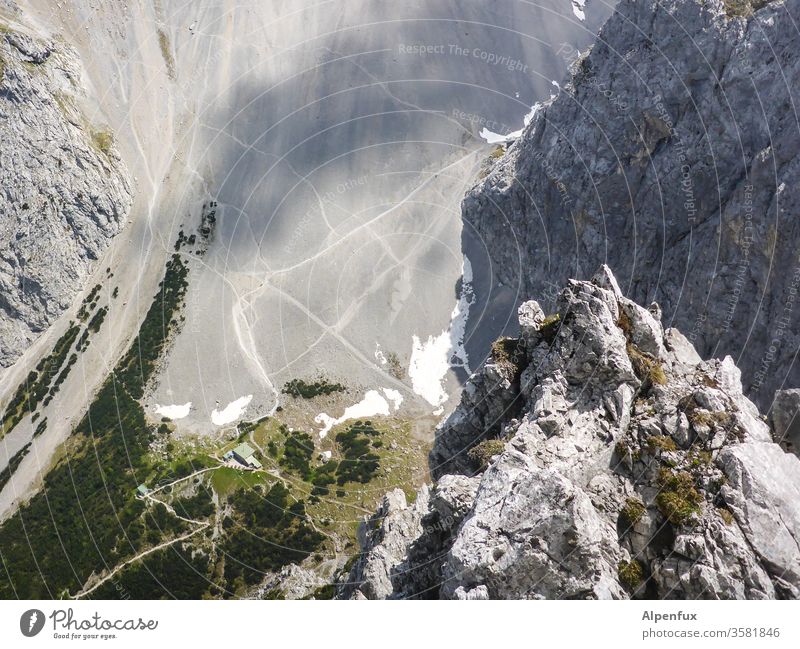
66	192
621	473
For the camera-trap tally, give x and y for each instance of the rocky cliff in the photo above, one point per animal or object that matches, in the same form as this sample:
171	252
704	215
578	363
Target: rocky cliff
671	155
595	456
65	192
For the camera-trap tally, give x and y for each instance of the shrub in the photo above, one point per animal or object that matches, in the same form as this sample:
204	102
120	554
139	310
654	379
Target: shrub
483	452
299	388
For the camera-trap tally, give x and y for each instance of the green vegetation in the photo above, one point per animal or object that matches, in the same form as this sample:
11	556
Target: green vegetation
297	453
550	327
89	303
509	352
13	463
631	574
271	533
647	368
743	8
360	464
726	515
195	507
37	385
661	443
166	53
138	365
87	503
173	572
632	511
483	452
299	388
396	368
678	499
103	141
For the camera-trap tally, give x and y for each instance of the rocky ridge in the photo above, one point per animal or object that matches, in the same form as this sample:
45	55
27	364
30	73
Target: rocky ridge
595	456
66	192
670	154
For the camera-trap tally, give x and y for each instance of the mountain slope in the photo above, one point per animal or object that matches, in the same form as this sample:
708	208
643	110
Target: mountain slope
670	155
66	192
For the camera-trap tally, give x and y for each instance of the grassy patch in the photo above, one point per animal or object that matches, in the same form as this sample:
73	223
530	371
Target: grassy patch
661	443
726	515
631	574
103	141
647	368
549	327
743	8
483	452
678	499
632	511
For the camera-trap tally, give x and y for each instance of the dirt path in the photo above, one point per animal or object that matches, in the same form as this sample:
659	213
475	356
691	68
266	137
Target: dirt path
141	555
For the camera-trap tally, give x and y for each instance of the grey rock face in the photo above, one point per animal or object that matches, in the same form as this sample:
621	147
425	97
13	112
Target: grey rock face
65	191
385	539
628	468
786	418
670	155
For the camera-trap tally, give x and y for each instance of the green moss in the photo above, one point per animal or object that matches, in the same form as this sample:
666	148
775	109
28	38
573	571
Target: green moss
678	499
483	452
631	573
632	511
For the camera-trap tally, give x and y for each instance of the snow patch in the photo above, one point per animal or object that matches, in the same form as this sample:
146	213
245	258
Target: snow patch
394	396
372	404
231	412
495	138
379	355
431	359
578	8
174	411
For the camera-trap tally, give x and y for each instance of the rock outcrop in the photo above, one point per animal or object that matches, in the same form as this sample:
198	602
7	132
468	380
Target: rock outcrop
65	191
670	155
626	466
